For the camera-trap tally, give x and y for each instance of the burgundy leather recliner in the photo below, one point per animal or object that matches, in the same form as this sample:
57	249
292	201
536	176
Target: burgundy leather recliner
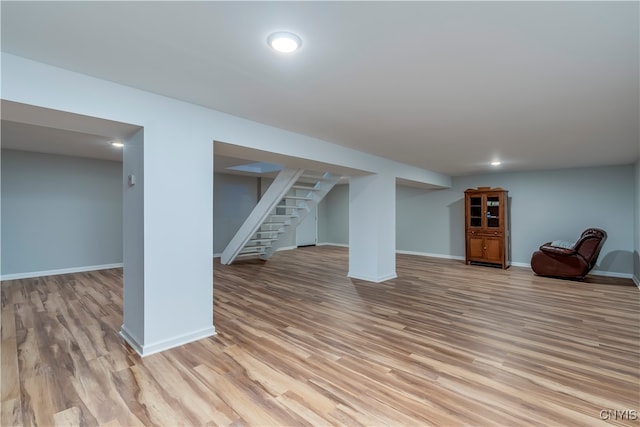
566	261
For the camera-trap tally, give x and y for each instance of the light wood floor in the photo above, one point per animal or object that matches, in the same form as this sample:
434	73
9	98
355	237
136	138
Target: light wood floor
300	344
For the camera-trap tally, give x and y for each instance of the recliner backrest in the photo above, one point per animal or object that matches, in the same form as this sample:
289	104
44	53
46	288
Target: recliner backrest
590	243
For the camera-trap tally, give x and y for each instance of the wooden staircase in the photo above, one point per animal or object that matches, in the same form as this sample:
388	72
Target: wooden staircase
281	209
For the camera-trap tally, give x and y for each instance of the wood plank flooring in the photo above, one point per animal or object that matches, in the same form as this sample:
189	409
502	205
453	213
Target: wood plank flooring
299	343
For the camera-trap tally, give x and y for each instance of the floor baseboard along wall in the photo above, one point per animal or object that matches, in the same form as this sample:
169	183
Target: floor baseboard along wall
515	264
157	347
33	274
284	248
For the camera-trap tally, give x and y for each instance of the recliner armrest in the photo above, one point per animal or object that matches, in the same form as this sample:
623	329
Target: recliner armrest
554	250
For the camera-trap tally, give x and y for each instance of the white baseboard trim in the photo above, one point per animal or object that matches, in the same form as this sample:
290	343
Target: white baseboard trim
594	272
431	255
461	258
341	245
611	274
399	251
521	264
284	248
60	271
149	349
371	278
131	339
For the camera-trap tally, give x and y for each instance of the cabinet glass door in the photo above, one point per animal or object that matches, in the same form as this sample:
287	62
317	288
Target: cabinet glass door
493	211
475	211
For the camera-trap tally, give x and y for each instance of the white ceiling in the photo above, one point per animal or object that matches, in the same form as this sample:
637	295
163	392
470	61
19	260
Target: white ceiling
42	139
448	86
29	128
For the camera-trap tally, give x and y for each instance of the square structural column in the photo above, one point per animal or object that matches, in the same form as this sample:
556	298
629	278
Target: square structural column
372	227
133	241
168	244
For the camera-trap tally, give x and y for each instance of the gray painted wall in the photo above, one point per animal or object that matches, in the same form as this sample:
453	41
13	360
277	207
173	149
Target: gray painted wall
323	223
133	237
234	197
636	245
59	212
545	205
333	216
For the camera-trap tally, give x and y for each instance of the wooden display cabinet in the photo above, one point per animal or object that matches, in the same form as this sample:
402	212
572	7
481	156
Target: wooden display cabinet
487	226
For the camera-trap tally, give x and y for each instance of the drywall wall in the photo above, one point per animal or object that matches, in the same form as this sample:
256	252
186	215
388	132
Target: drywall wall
176	276
430	222
323	223
133	238
545	205
59	212
333	216
372	236
234	197
178	184
636	244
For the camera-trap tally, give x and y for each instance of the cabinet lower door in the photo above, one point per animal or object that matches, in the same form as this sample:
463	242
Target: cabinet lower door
493	250
476	248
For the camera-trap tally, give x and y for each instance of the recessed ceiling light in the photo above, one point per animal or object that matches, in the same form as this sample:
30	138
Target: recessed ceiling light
284	42
496	163
117	144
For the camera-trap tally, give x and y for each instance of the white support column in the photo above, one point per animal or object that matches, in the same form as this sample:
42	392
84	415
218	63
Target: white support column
168	271
133	240
372	227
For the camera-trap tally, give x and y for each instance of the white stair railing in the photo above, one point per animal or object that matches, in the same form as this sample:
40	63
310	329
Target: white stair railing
305	203
277	214
276	191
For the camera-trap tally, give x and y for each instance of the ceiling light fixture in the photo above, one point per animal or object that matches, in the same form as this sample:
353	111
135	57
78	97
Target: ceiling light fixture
496	163
284	42
117	144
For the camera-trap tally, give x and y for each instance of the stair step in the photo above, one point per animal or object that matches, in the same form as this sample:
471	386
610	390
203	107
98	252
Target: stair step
261	240
297	198
304	187
294	203
289	207
252	255
253	249
272	224
269	229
